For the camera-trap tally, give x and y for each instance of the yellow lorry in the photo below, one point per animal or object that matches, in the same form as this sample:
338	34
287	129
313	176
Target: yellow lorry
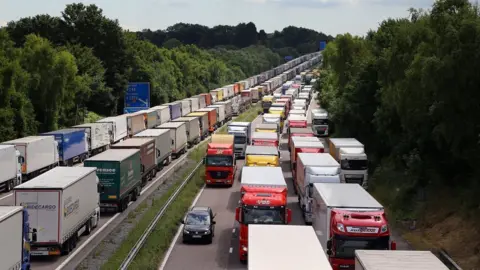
266	156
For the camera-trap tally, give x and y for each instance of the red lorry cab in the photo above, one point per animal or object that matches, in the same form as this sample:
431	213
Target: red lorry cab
297	121
298	132
304	145
265	139
220	164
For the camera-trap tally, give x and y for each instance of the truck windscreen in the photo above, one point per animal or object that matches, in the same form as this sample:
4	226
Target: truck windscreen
354	164
239	140
219	161
345	246
263	215
319	122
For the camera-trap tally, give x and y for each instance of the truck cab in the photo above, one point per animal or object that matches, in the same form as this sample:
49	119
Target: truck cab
263	201
320	122
262	156
287	102
350	153
219	161
266	103
241	133
296	121
298	112
265	139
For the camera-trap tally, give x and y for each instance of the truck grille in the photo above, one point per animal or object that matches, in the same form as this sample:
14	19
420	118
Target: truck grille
238	151
354	179
219	175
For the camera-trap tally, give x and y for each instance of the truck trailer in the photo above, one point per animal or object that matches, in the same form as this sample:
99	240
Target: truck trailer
178	137
98	136
185	107
397	260
228	109
38	154
119	171
346	218
192	126
136	122
350	153
163	114
265	139
72	145
15	238
212	118
117	127
62	204
175	110
203	120
162	145
262	156
10	166
220	114
278	247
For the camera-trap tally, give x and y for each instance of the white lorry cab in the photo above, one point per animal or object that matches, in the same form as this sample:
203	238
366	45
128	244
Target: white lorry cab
350	153
320	122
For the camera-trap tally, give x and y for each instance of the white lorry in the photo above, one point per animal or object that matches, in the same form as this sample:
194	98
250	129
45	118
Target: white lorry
62	204
313	168
163	113
237	105
192	128
278	247
320	124
98	136
350	153
117	127
14	227
178	137
38	154
10	166
162	145
397	260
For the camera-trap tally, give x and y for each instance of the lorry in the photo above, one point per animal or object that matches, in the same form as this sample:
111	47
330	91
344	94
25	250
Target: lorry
279	111
62	204
98	136
163	151
263	201
178	137
271	128
242	133
220	166
217	95
304	96
192	126
148	157
255	95
300	145
10	166
397	260
246	102
298	112
350	153
320	122
185	107
300	104
296	121
207	98
262	156
220	109
72	145
119	172
117	127
345	218
175	110
266	103
15	238
203	122
277	247
150	117
212	118
237	106
265	139
135	123
228	109
276	119
163	113
38	154
194	103
298	132
313	168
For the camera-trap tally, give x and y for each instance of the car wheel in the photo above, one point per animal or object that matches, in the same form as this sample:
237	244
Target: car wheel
210	240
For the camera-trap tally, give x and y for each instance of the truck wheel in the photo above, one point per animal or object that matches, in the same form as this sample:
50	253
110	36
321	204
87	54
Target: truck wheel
88	227
66	248
134	196
9	186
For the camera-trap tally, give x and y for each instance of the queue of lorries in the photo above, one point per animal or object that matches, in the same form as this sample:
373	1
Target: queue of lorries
56	201
348	227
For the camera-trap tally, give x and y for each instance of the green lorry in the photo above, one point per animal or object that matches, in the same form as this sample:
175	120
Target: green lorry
119	171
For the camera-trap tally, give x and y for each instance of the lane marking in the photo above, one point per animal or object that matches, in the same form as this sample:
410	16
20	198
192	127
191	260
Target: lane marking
6	196
231	250
177	235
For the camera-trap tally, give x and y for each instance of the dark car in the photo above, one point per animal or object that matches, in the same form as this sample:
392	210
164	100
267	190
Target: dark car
199	225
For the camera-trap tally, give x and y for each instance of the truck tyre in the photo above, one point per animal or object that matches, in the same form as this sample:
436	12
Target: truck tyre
88	227
134	195
9	186
66	248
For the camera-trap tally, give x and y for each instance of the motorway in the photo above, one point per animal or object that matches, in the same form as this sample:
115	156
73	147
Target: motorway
223	252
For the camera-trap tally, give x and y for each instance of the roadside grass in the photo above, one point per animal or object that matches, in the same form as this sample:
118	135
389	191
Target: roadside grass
246	116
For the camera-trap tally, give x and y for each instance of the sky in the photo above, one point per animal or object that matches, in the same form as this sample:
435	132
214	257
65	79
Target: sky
331	17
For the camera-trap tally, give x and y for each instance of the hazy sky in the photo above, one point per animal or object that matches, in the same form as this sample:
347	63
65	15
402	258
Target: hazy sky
328	16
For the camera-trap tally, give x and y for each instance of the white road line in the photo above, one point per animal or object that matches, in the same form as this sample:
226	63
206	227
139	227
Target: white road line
231	250
177	235
6	196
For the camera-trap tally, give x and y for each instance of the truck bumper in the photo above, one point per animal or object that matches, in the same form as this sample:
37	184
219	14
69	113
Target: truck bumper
45	251
219	181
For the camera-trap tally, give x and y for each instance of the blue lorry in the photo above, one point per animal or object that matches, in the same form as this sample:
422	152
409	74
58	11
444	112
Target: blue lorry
15	238
72	145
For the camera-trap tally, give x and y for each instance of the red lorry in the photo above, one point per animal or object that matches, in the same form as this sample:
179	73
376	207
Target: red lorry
304	145
263	201
297	121
265	139
219	162
298	132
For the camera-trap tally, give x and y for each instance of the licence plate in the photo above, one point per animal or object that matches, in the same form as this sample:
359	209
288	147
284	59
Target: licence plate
196	236
219	181
39	253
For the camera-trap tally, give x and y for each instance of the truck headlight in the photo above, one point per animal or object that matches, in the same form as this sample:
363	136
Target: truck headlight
244	248
384	228
340	227
186	232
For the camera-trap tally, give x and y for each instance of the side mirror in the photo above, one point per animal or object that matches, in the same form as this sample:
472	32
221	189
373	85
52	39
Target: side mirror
289	215
329	252
100	188
237	214
34	235
214	222
393	245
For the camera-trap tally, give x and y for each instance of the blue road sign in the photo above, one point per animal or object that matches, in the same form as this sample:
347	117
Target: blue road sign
288	58
132	109
137	96
323	45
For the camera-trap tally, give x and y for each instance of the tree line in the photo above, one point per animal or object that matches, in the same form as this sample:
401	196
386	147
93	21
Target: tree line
291	41
60	71
410	91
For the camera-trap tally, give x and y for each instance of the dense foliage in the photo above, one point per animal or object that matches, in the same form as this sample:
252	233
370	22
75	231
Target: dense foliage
410	92
291	41
56	71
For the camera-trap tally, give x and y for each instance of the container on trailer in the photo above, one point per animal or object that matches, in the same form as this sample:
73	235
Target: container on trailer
148	157
119	172
10	167
284	247
222	112
194	103
151	118
193	129
163	113
208	100
255	95
135	123
72	145
236	88
397	260
117	127
12	241
228	109
162	144
98	136
230	90
38	153
175	110
185	107
178	137
212	118
59	203
236	105
203	120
